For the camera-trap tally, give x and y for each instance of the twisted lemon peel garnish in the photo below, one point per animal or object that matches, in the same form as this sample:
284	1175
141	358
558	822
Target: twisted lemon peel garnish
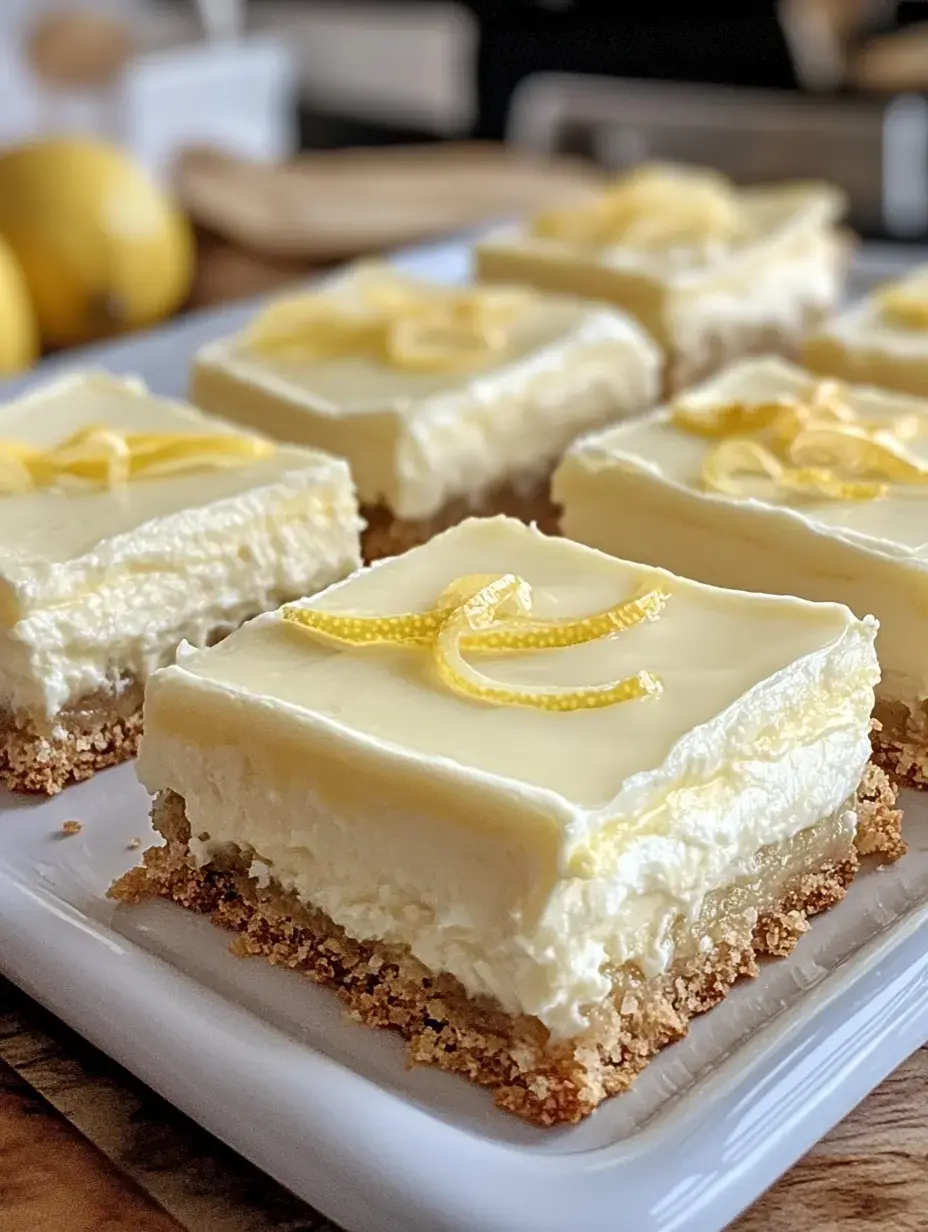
98	456
653	208
813	447
491	613
408	327
735	458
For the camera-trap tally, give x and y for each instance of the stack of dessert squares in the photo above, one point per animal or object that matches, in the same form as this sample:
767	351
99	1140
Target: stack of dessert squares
620	698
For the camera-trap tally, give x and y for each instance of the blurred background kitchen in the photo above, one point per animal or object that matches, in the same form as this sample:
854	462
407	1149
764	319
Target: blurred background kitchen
283	135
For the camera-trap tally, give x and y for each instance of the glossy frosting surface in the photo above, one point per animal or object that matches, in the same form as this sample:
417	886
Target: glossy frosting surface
638	490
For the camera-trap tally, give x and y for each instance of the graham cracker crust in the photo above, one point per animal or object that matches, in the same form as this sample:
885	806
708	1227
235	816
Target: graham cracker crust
900	742
386	535
543	1080
103	732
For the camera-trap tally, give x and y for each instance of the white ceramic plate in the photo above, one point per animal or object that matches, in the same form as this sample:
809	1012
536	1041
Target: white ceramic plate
268	1063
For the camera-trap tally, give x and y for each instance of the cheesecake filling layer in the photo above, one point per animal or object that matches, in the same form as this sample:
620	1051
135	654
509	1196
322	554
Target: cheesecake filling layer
417	440
892	320
527	854
787	252
98	587
803	283
115	615
873	343
871	555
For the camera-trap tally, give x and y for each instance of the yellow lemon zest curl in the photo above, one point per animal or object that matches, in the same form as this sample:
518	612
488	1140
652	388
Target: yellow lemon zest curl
815	447
492	614
653	208
99	456
730	461
410	327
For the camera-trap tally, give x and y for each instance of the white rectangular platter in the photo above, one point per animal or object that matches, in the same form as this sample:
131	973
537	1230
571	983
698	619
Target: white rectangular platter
268	1063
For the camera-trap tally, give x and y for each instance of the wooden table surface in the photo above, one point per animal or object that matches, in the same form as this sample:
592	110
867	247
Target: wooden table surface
84	1147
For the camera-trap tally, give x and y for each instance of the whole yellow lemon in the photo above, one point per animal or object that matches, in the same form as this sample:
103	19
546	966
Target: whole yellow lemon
102	248
19	335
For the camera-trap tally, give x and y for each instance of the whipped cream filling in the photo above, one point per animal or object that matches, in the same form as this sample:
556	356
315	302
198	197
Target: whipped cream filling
524	874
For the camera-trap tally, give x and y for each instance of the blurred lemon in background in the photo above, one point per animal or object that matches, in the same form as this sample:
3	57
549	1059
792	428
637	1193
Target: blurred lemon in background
102	248
19	335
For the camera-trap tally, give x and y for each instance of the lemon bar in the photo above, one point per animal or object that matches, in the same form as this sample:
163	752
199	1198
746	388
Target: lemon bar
528	805
444	400
127	524
768	478
881	340
711	271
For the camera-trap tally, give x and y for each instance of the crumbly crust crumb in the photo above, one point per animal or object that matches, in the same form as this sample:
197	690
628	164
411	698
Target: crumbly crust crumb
386	535
545	1081
879	822
42	763
900	742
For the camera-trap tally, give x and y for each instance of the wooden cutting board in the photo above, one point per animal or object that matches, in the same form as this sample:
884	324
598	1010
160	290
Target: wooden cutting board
341	203
52	1179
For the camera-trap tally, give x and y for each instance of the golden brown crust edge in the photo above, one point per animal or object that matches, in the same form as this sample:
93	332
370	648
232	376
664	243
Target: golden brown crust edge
543	1081
44	764
879	822
386	535
900	742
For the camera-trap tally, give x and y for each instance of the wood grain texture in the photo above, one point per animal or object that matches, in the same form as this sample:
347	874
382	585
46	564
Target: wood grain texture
53	1180
869	1175
205	1186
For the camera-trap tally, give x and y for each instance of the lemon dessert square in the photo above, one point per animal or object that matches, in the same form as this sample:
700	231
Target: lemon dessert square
713	272
444	400
881	340
531	806
770	478
129	523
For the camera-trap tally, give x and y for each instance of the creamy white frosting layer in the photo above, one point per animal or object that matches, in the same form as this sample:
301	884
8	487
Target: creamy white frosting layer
865	345
98	587
417	440
521	850
638	492
787	264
